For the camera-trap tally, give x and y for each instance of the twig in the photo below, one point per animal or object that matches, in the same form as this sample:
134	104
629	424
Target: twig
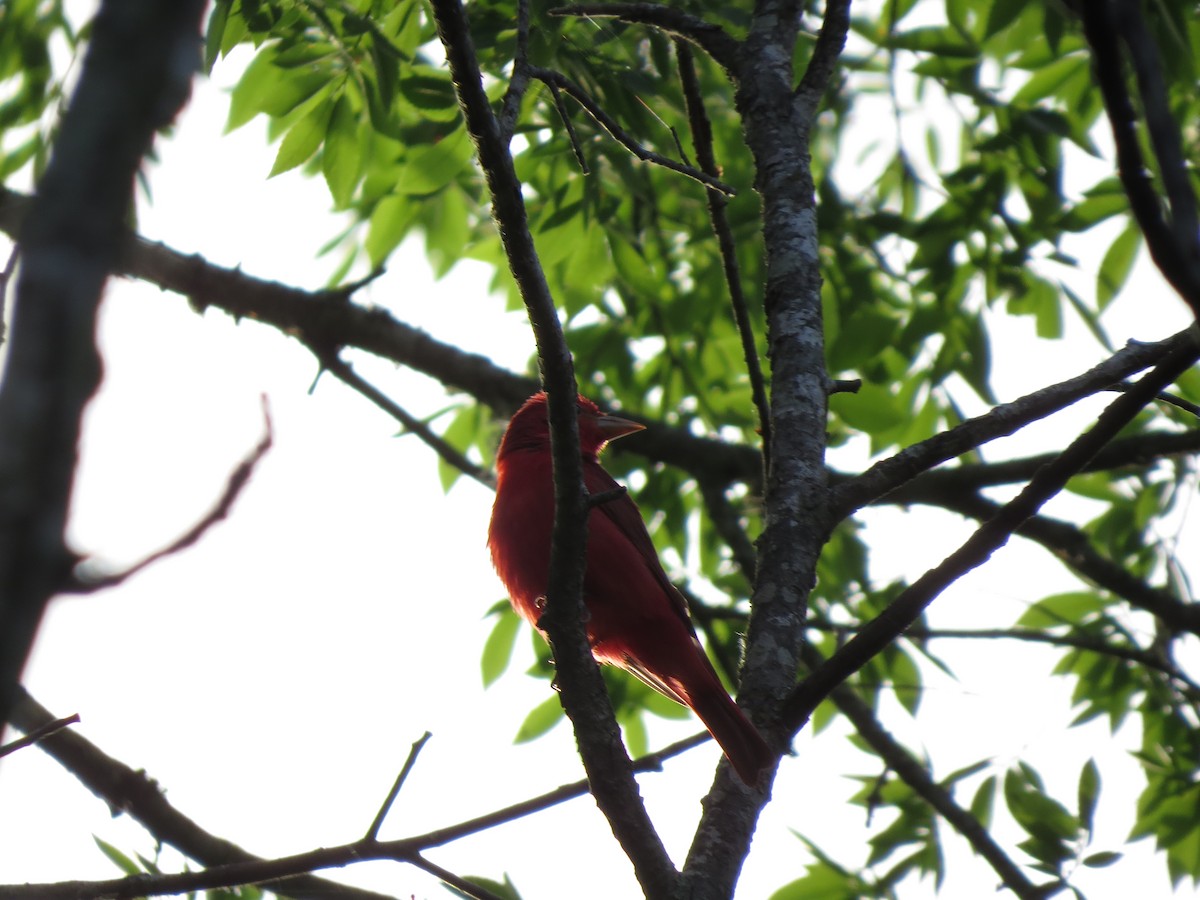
583	695
572	136
712	39
34	736
85	584
916	776
825	55
510	107
1171	257
5	279
702	140
1168	398
373	832
1000	421
993	534
134	793
1164	132
1071	546
456	881
344	373
69	246
556	80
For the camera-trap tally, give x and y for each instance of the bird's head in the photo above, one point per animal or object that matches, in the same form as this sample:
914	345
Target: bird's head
530	427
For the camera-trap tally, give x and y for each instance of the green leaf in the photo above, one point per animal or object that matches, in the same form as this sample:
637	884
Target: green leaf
1069	608
302	139
497	650
540	720
341	162
1117	264
119	859
1089	793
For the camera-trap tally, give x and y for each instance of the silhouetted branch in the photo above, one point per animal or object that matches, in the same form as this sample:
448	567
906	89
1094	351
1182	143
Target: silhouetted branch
69	246
712	39
917	776
583	694
557	81
346	374
1002	420
702	141
1174	248
84	582
1049	480
136	794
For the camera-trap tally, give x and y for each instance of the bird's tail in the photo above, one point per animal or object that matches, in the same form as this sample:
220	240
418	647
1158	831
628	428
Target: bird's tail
747	751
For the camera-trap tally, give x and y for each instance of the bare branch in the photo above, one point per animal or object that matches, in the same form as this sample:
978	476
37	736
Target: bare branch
39	734
343	371
583	694
68	247
1175	254
1000	421
558	81
134	793
702	140
712	39
825	55
1048	481
85	582
916	776
373	832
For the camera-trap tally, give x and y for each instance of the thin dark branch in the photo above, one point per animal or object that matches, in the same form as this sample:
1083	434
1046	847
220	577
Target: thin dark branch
456	881
1138	451
702	140
39	734
69	245
889	474
134	793
510	108
373	832
993	534
583	694
1169	399
1172	259
450	454
556	80
1073	548
1091	643
916	776
85	583
1164	132
824	59
561	108
324	318
712	39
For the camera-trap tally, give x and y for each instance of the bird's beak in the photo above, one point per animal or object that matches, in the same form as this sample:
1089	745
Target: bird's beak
613	427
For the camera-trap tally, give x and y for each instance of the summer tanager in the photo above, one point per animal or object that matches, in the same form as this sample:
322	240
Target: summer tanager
636	618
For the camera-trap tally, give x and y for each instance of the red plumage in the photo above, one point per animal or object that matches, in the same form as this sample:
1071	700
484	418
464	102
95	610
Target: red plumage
636	618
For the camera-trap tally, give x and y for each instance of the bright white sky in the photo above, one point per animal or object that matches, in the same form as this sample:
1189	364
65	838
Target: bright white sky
273	678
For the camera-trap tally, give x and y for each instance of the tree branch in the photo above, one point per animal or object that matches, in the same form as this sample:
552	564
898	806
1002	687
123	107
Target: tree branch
134	793
68	247
916	776
582	689
712	39
1072	547
1176	255
1048	481
1002	420
558	81
86	583
702	141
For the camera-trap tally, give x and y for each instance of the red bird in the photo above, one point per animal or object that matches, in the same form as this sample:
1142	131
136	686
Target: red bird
636	618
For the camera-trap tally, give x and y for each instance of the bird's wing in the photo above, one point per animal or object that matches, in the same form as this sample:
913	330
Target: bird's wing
623	513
